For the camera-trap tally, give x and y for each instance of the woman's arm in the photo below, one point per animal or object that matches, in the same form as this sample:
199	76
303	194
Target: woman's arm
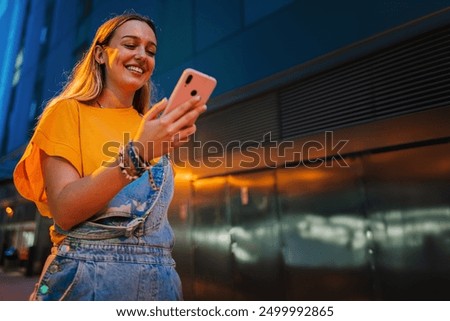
73	199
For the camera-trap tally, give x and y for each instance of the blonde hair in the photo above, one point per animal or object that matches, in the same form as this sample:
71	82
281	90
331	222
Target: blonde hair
85	83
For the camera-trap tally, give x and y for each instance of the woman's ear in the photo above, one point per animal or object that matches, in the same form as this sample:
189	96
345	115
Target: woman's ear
98	55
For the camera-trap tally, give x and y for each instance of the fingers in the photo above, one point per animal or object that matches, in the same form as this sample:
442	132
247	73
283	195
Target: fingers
172	129
187	121
156	109
179	111
182	136
182	108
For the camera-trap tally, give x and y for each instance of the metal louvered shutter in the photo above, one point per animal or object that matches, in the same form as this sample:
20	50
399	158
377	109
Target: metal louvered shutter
406	78
243	122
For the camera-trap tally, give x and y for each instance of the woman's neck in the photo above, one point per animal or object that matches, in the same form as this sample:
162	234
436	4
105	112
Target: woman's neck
110	99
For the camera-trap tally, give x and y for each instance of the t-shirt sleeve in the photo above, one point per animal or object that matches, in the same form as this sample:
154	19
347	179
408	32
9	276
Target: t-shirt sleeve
57	134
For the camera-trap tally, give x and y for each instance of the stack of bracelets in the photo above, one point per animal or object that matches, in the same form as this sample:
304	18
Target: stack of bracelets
133	166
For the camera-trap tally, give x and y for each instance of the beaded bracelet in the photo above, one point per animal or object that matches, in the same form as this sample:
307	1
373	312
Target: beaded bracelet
139	165
134	169
125	167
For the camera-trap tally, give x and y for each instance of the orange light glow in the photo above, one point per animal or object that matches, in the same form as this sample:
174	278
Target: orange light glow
9	211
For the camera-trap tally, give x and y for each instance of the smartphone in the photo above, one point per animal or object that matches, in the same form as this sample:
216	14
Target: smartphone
191	83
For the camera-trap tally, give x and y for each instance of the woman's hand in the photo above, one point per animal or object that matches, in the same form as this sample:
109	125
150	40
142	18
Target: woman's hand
157	136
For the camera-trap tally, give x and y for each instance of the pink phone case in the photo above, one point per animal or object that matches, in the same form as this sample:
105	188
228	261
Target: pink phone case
190	84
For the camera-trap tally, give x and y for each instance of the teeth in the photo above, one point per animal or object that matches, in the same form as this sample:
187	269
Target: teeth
136	69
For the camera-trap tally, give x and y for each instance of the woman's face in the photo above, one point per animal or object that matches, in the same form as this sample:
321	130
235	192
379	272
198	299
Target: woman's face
130	57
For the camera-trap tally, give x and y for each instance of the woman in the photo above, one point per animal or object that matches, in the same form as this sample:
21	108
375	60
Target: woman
97	165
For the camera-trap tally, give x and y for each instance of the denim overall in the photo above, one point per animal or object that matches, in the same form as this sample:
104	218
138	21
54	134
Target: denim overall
123	253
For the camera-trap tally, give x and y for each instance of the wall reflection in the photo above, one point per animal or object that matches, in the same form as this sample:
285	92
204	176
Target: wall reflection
378	229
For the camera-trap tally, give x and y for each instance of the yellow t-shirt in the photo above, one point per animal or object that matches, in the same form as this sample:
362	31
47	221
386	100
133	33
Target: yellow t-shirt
85	136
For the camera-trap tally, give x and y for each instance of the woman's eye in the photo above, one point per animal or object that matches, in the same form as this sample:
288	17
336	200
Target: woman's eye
150	53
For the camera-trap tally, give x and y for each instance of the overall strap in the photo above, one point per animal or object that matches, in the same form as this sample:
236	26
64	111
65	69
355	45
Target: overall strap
93	230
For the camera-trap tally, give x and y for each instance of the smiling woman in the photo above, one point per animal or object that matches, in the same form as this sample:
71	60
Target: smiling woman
110	214
128	60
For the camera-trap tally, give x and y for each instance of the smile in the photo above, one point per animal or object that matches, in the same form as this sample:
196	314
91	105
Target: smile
135	69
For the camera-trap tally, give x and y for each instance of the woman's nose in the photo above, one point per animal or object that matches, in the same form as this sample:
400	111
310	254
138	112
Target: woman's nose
140	52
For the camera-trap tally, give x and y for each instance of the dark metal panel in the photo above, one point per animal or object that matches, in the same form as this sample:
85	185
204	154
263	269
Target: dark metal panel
255	236
408	201
325	248
211	240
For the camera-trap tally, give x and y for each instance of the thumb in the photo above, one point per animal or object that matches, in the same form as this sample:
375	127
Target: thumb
156	109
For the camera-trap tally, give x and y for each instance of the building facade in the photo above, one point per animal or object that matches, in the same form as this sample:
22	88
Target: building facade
240	42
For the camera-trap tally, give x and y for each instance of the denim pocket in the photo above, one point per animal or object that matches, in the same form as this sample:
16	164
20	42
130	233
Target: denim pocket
59	280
